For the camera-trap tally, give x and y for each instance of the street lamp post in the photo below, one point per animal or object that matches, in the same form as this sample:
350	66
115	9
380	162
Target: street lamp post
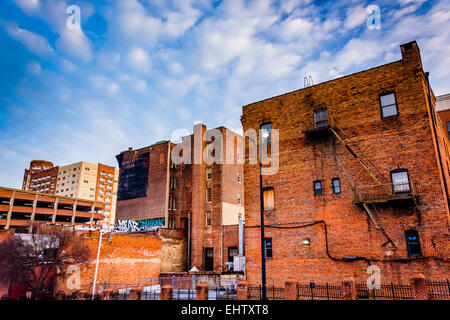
261	200
96	264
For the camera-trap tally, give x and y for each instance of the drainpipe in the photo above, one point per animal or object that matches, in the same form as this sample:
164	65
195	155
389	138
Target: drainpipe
189	241
427	74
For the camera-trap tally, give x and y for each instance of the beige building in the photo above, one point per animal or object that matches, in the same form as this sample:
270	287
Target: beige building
94	182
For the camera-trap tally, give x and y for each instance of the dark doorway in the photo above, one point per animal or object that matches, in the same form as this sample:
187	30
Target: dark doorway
209	259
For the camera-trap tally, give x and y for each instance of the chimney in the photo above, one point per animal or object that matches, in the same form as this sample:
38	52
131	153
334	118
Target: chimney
411	54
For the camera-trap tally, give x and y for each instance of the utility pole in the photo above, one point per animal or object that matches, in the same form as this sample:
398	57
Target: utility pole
96	264
261	200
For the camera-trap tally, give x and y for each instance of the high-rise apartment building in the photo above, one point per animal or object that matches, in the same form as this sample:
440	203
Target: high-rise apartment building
81	180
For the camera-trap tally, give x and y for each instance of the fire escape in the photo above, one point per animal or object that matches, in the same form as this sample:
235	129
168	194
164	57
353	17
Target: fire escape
368	197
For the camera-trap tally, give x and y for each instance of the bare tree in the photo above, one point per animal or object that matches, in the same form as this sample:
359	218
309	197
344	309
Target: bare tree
34	259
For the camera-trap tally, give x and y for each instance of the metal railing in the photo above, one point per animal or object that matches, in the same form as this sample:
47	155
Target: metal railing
384	292
384	192
319	291
272	293
438	289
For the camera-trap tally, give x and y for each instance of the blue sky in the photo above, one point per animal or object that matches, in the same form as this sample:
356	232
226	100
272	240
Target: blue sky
139	70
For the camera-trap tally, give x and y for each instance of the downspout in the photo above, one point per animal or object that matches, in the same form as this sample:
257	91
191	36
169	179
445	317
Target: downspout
436	138
189	242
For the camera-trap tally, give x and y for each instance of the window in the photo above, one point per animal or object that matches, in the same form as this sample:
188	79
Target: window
239	199
400	182
208	195
232	252
269	201
208	173
317	188
238	177
448	129
174	203
265	131
388	105
238	154
412	243
336	185
268	247
170	202
208	218
173	182
320	118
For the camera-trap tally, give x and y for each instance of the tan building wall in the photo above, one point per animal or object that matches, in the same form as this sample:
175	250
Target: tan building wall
90	181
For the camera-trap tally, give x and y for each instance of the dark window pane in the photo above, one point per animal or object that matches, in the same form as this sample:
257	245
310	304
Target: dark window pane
268	247
412	243
318	188
336	186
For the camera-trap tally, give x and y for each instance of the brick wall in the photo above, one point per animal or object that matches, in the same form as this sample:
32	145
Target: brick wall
400	142
124	258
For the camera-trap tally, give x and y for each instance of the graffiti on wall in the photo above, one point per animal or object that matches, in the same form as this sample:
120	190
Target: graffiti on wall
127	225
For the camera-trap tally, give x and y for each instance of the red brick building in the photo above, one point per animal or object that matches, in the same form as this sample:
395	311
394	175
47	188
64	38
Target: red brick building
199	194
40	177
443	109
363	179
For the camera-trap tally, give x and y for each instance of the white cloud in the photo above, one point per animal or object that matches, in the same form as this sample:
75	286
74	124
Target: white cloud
28	6
138	59
34	42
356	16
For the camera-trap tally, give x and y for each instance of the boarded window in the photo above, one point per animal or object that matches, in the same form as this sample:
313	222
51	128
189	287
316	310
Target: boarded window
269	201
320	118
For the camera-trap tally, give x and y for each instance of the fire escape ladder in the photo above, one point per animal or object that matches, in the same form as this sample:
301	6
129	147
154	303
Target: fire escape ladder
365	205
340	140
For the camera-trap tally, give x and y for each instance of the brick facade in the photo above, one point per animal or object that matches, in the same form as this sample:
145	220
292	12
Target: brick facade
177	192
338	229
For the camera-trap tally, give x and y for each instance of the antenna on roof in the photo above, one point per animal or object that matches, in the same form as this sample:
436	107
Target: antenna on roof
308	81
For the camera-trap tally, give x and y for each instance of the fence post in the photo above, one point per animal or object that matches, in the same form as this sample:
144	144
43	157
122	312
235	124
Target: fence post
290	290
201	291
106	295
348	289
242	293
419	287
135	294
166	292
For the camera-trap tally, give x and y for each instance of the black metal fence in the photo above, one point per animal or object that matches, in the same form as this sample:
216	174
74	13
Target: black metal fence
319	291
272	293
384	292
438	290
